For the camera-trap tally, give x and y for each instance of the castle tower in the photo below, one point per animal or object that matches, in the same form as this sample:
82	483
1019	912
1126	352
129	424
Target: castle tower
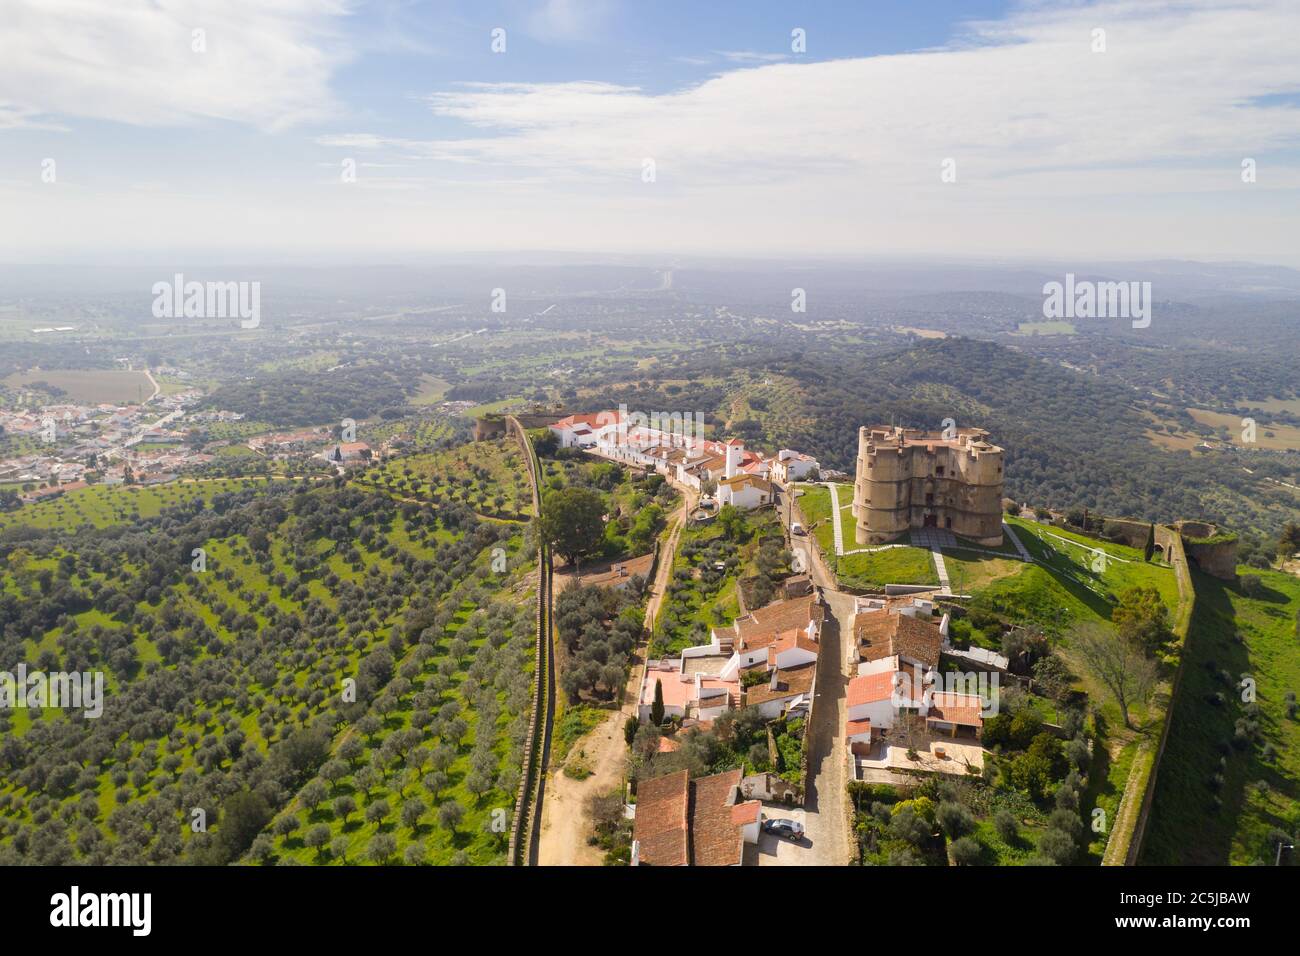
907	478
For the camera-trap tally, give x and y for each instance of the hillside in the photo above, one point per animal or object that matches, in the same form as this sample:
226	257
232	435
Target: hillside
253	640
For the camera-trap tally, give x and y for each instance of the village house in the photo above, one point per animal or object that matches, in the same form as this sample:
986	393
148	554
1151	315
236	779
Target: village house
779	642
688	459
688	691
897	645
791	466
701	822
348	453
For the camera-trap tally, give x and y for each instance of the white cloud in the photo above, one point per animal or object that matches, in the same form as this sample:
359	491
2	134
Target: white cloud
134	61
1025	97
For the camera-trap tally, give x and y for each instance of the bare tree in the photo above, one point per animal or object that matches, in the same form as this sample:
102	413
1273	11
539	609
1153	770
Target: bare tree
1122	667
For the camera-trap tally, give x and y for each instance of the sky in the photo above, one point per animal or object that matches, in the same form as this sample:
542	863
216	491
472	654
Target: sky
391	130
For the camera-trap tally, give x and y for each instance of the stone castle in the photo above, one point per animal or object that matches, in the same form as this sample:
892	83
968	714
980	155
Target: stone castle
908	478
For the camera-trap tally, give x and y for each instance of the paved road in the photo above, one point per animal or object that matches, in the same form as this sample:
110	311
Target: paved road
826	813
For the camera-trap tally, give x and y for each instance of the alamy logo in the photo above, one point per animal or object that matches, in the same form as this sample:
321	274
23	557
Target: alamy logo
68	691
980	690
208	300
679	428
1098	300
134	910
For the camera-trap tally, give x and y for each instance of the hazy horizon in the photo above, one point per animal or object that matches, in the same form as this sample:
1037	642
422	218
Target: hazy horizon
342	130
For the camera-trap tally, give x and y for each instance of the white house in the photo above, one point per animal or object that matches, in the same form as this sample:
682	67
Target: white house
745	491
791	466
785	691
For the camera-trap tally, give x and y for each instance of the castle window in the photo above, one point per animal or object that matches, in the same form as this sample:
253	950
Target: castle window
939	471
929	498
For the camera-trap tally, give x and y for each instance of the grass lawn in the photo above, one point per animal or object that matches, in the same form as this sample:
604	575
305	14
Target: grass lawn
874	569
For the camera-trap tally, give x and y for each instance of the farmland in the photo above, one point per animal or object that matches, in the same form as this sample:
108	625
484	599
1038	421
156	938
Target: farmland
489	477
261	640
86	386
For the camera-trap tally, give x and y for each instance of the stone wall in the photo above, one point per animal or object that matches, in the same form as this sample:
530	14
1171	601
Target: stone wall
1211	550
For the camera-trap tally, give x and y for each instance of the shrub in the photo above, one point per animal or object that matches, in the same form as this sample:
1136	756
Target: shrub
1007	826
966	851
955	820
1058	847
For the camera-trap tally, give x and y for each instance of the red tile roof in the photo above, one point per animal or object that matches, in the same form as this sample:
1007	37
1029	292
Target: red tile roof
853	728
716	838
870	688
964	709
790	682
880	634
662	815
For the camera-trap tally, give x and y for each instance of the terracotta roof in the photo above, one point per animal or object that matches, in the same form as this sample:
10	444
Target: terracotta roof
789	640
957	709
759	628
789	682
745	478
661	822
679	689
716	838
853	728
870	688
743	814
589	418
880	634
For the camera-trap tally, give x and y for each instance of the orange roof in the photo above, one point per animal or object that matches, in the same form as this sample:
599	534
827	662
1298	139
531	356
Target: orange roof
589	418
789	640
746	813
964	709
759	628
660	825
745	478
855	727
870	688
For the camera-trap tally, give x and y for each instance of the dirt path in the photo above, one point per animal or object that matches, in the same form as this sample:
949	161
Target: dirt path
565	820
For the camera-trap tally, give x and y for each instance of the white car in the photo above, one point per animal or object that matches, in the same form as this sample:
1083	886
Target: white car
796	528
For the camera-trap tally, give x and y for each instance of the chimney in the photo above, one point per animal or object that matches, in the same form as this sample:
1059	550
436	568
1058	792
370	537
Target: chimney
776	674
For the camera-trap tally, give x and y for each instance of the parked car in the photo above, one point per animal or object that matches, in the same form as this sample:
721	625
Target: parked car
790	829
796	528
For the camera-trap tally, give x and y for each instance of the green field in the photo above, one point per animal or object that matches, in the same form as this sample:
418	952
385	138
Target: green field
487	476
104	505
89	386
865	571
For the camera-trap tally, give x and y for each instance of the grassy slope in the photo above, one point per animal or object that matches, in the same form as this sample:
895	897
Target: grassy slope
1185	826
